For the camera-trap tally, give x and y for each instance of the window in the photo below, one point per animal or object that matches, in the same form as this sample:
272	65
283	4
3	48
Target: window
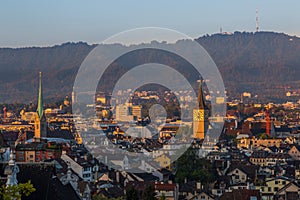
276	189
86	169
269	189
276	182
86	175
283	182
237	176
202	197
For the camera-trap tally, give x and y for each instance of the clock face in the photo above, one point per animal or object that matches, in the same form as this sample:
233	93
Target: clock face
198	115
201	114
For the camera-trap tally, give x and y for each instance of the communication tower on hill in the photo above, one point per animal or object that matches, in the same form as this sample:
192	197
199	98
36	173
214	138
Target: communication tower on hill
257	20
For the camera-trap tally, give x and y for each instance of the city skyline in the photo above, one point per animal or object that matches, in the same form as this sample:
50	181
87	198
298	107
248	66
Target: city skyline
180	100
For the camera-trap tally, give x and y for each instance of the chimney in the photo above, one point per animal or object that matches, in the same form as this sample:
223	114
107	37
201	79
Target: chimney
198	185
143	164
118	176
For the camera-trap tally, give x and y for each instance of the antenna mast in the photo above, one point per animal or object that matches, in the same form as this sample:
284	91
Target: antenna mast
256	19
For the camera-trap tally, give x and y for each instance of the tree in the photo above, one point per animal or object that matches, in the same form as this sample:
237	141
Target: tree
100	197
193	168
132	194
163	197
16	191
149	193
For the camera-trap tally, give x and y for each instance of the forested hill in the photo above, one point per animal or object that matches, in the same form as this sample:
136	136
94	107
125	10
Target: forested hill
19	71
262	63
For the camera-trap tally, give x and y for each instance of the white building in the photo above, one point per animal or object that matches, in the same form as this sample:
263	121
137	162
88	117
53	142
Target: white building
82	167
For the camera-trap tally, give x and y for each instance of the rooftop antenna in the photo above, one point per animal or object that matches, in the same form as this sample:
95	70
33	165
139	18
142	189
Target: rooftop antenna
256	19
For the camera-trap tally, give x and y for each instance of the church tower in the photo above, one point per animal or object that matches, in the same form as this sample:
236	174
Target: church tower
199	116
40	123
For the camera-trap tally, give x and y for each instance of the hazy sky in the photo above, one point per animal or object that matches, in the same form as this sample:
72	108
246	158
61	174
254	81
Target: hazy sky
45	23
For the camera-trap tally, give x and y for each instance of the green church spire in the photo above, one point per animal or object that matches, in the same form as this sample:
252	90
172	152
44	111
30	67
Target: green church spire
40	109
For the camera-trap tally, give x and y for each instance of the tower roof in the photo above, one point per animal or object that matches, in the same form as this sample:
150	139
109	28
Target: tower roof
201	103
40	108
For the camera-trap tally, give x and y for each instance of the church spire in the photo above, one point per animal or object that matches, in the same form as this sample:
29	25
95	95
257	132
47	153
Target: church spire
201	103
40	109
11	171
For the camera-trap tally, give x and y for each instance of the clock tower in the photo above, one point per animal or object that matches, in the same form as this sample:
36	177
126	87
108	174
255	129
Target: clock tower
199	116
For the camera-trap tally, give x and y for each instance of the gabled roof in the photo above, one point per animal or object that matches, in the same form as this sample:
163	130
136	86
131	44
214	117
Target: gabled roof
273	149
279	177
297	147
59	191
250	170
241	194
196	197
165	186
112	192
287	187
187	187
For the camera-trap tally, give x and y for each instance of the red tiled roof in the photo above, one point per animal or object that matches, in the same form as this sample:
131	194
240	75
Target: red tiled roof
165	187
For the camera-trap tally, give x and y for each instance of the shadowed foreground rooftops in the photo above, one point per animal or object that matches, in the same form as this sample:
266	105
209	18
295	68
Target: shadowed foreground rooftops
43	179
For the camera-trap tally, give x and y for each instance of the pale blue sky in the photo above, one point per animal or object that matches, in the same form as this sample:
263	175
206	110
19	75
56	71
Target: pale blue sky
44	23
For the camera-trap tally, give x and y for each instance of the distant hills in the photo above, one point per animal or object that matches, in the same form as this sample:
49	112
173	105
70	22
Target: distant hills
263	63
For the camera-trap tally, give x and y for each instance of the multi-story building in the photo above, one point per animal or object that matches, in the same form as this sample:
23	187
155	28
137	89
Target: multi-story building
128	112
253	142
85	166
137	111
123	113
37	151
271	186
263	158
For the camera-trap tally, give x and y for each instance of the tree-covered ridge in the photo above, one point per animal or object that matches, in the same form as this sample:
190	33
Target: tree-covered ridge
260	62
